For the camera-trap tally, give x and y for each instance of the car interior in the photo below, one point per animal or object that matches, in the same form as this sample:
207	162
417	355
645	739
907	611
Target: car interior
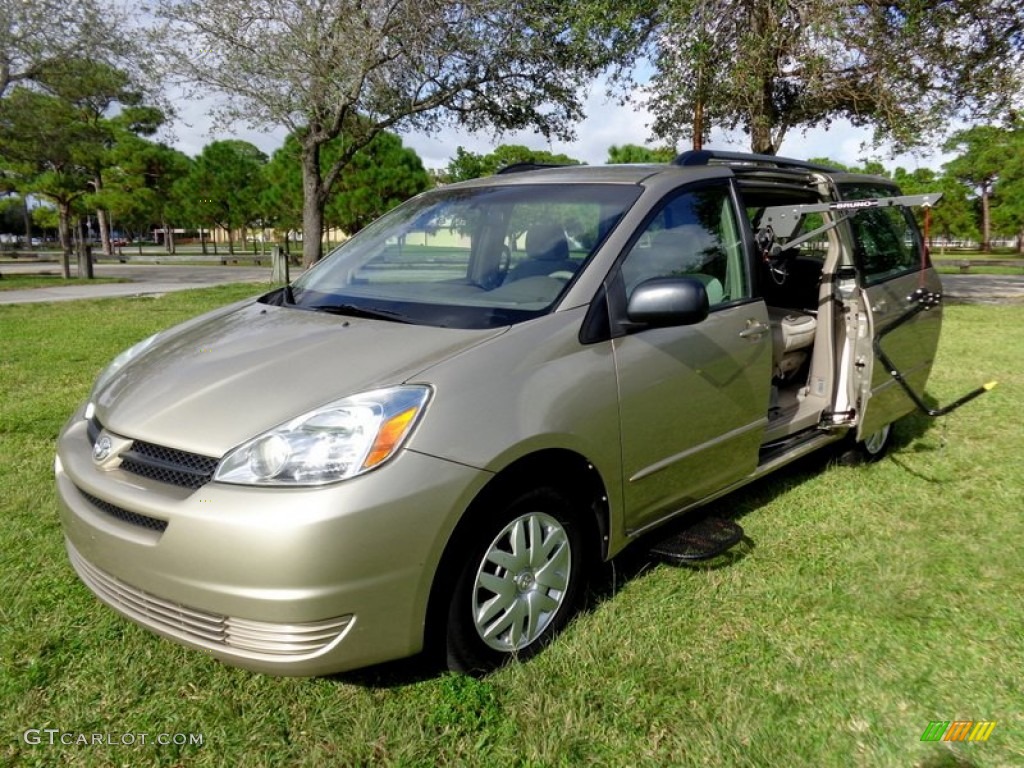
797	289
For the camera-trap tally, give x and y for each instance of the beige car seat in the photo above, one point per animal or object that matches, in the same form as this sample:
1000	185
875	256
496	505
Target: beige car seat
792	339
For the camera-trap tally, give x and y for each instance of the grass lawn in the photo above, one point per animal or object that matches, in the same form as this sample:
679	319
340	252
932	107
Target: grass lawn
19	282
868	602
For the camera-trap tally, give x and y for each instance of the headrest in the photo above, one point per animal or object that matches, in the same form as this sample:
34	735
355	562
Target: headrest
546	242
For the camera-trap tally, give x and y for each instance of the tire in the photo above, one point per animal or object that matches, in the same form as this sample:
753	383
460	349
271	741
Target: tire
519	581
869	450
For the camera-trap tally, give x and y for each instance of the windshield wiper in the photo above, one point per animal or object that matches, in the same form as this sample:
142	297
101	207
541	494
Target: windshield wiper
352	310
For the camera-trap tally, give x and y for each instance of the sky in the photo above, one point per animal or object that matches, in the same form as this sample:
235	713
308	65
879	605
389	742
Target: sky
606	123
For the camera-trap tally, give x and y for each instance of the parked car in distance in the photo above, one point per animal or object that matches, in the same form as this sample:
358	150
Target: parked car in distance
430	438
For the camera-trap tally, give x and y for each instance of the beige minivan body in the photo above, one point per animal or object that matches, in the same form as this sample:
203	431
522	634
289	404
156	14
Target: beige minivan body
433	434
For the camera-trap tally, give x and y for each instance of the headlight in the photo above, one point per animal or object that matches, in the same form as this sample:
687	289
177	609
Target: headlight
120	362
339	440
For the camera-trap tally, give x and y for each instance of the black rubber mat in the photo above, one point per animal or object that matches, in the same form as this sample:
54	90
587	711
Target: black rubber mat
704	539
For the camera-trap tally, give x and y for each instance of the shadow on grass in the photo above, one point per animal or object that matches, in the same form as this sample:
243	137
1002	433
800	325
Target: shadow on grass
909	438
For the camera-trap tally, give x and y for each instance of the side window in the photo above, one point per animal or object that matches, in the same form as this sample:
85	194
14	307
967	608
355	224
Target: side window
695	234
886	240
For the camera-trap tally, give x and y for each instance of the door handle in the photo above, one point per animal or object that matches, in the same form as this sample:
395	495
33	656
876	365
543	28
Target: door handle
754	329
881	307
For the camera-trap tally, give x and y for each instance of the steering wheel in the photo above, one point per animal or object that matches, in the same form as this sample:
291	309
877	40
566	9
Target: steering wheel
504	262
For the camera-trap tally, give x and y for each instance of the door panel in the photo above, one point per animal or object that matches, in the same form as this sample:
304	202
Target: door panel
694	403
912	347
888	255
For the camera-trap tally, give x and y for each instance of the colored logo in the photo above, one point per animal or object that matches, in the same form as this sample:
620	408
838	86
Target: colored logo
958	730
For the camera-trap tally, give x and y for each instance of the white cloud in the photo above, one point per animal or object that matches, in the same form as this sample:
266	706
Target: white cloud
195	126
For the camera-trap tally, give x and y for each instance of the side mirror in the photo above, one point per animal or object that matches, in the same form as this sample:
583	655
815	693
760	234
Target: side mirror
668	301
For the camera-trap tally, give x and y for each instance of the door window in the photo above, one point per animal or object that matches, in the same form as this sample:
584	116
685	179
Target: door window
694	234
886	240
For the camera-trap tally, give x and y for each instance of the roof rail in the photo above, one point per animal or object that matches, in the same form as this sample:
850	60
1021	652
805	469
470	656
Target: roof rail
708	156
527	166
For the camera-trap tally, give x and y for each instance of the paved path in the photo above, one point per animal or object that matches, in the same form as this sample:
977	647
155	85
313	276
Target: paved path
147	280
150	279
988	289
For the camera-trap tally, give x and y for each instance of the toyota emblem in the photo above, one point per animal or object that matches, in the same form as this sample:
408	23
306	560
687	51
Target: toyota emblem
102	449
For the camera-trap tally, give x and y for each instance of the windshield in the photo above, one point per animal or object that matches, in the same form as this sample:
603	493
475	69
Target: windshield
468	258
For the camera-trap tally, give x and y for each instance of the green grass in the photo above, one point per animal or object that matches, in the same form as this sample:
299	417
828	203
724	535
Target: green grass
21	282
869	602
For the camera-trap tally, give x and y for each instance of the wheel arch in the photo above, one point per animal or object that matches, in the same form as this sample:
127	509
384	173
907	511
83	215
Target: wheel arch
566	471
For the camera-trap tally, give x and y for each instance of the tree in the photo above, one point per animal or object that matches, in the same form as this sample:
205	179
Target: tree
470	165
354	69
282	190
224	186
56	137
39	33
381	175
46	146
634	153
94	89
139	184
1008	207
904	67
983	151
953	217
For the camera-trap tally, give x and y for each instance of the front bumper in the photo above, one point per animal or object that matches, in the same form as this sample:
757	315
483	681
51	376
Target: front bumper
285	581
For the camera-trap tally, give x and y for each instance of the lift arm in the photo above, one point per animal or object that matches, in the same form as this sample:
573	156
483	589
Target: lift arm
783	220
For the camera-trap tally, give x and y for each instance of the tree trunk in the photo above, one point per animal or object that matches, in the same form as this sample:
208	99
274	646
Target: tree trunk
312	205
64	233
28	221
698	125
84	251
169	245
103	222
986	221
202	240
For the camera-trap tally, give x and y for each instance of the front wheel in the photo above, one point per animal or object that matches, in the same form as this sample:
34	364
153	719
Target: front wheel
519	584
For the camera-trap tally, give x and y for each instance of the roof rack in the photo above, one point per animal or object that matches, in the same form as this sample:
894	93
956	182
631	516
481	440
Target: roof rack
527	166
709	156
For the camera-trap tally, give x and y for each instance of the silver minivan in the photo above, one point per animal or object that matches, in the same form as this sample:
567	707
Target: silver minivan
428	439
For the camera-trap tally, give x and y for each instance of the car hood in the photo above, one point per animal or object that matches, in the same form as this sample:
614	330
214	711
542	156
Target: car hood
211	384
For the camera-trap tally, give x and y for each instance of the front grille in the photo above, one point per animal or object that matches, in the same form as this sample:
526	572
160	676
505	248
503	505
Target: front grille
165	465
168	465
134	518
227	634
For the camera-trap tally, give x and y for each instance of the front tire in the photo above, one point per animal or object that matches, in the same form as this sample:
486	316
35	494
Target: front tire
519	583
